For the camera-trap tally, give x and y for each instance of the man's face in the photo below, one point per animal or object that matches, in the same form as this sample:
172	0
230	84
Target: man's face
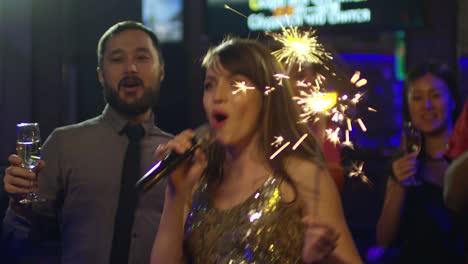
131	72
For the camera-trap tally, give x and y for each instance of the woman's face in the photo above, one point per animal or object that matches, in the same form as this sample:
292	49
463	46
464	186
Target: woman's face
430	104
234	114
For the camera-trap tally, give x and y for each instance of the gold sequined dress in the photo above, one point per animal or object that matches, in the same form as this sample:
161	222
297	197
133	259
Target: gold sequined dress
263	229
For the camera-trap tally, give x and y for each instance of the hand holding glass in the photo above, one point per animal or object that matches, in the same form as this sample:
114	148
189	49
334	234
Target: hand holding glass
413	141
28	147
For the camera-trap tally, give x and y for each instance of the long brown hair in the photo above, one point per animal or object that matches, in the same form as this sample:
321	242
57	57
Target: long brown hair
279	113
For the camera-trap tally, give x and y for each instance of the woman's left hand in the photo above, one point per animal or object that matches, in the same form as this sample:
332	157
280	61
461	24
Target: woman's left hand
320	240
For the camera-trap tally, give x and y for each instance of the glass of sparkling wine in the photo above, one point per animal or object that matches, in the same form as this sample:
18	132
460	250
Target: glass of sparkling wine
413	143
28	147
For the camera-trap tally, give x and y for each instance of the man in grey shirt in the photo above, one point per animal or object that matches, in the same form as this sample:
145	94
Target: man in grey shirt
81	172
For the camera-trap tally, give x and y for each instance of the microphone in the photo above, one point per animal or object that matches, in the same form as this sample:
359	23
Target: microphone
172	160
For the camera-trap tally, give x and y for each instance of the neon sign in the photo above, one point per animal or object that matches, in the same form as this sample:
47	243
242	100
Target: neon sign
270	15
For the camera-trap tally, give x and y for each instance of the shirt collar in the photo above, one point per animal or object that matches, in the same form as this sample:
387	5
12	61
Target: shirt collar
118	122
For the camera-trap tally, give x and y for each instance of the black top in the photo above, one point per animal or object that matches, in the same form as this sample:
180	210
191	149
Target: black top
428	230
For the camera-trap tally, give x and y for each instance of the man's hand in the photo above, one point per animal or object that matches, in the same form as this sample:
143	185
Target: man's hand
19	181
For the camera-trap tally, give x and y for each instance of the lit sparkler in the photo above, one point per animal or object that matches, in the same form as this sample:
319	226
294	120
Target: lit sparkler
314	103
318	102
299	47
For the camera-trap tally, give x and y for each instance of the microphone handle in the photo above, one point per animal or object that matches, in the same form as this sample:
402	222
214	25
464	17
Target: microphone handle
166	166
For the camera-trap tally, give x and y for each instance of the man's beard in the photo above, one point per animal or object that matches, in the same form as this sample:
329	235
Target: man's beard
139	106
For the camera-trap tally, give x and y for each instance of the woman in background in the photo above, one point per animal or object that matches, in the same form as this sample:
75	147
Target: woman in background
236	205
414	223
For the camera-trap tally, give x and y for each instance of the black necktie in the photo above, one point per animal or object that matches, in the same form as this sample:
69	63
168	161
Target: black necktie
128	196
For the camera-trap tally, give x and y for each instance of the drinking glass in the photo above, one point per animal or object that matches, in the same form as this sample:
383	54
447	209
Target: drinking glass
28	147
413	142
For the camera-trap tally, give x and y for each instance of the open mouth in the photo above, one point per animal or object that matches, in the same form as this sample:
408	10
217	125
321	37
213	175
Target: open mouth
428	117
219	119
130	83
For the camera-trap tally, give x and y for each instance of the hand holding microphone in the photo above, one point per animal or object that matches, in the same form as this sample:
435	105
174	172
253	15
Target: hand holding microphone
186	146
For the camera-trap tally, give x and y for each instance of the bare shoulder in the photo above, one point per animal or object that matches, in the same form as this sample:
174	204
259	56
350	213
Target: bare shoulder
313	184
307	174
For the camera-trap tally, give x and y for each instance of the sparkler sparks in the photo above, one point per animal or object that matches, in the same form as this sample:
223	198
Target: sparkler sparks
347	143
348	122
361	124
355	77
235	11
280	76
357	171
299	47
242	87
361	83
279	150
299	141
278	141
356	99
318	102
355	80
302	83
268	90
315	102
333	135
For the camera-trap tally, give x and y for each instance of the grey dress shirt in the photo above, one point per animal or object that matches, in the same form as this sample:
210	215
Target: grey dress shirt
81	179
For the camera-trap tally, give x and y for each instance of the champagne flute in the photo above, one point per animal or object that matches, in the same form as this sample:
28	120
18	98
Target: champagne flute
28	147
413	142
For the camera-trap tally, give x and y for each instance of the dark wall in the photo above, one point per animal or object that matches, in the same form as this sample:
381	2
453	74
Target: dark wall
15	70
438	39
88	19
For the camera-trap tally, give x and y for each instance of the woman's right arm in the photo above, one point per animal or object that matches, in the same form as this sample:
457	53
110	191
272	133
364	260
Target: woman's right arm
168	245
389	220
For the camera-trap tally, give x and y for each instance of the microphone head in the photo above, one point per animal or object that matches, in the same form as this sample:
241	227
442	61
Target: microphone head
203	136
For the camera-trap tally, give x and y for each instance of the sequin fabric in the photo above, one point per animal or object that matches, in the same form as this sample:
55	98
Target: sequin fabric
263	229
